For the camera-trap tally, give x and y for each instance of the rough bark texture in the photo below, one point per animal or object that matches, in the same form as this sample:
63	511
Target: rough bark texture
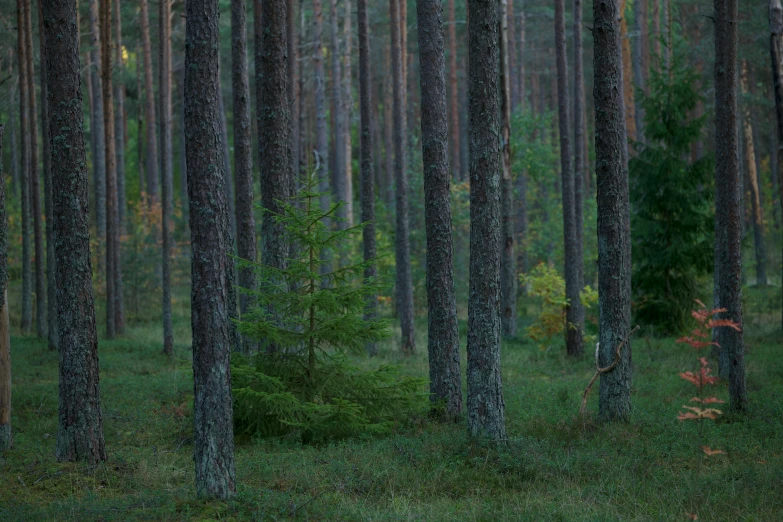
486	408
211	241
24	119
5	338
628	94
366	150
35	180
641	60
119	120
521	79
453	94
229	170
164	90
151	159
655	29
51	281
776	55
508	273
402	240
443	335
580	143
80	431
728	219
387	190
243	150
338	133
97	131
614	237
757	218
574	311
321	141
15	161
347	100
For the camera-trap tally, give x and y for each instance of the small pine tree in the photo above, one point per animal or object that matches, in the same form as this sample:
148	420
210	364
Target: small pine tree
315	316
671	219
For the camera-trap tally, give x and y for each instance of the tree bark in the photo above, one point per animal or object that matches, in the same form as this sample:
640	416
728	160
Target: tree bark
366	149
508	273
655	14
210	233
151	160
521	74
486	407
402	239
6	439
24	138
338	133
614	238
453	93
443	335
321	141
628	95
387	190
294	94
243	150
580	142
15	160
97	131
757	217
120	119
574	310
229	171
80	432
164	92
776	54
641	61
51	284
347	99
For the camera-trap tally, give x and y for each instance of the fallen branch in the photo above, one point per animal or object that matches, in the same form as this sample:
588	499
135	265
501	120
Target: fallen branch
599	370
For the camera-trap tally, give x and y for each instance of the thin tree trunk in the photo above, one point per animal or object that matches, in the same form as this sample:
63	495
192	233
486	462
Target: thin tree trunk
6	439
164	91
640	61
366	149
183	167
338	133
655	14
229	171
387	190
151	160
574	310
776	54
453	93
485	404
120	124
97	132
522	218
25	115
51	286
15	161
580	142
508	273
628	95
666	32
402	240
521	74
512	55
140	127
321	141
243	150
347	97
210	232
80	431
294	94
614	252
443	335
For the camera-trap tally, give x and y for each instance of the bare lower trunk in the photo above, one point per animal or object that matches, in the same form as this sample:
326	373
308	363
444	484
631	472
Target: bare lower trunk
628	94
5	338
776	54
97	133
321	142
640	60
164	89
453	93
24	118
347	100
508	275
120	120
580	143
151	145
338	132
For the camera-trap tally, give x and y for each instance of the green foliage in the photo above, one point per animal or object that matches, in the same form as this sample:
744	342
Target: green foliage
313	316
547	286
671	219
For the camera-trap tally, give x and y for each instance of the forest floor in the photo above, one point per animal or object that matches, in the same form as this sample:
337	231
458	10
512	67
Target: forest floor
554	467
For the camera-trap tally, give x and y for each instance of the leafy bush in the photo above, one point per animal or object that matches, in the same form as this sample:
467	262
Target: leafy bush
311	317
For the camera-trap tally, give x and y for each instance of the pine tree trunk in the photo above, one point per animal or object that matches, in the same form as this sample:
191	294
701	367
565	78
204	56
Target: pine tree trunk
164	91
387	190
24	118
6	439
574	311
443	335
628	95
776	54
338	133
655	27
512	55
640	61
666	32
243	150
293	96
402	240
140	127
453	93
485	404
521	74
97	132
120	119
614	241
347	97
366	149
211	242
227	157
15	161
321	141
151	159
80	432
580	143
183	166
757	218
508	273
51	284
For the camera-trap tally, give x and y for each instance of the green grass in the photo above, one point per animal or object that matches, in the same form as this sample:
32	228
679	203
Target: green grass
554	467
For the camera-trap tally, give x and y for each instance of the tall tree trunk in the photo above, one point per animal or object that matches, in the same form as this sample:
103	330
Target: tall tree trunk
512	54
210	233
321	141
655	14
338	133
486	407
112	222
243	150
574	310
521	74
274	127
402	240
51	285
508	273
757	217
580	144
387	190
15	161
35	187
229	171
728	201
120	125
628	97
183	167
5	338
614	238
164	90
140	127
640	61
97	132
293	96
151	160
453	93
443	335
522	219
366	149
776	54
25	115
666	32
80	431
347	97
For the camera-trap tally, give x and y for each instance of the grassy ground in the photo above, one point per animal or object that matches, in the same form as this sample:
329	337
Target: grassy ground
555	467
